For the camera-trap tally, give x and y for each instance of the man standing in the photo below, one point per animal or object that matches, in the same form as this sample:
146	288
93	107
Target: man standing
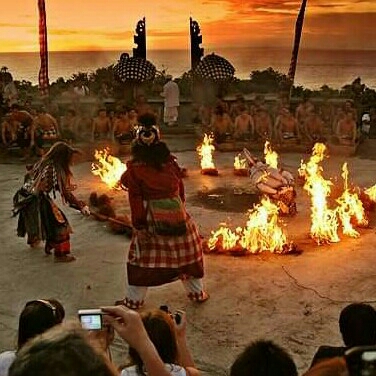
171	101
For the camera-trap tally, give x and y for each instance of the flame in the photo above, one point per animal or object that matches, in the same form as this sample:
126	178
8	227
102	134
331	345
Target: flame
324	224
371	193
271	157
108	168
350	207
240	163
205	151
262	232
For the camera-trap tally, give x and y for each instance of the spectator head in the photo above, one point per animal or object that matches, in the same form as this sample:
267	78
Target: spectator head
102	112
161	330
219	110
263	358
15	107
61	352
38	316
357	324
71	112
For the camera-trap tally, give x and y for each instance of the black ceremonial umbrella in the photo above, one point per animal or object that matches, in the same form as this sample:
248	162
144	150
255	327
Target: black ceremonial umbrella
215	67
134	69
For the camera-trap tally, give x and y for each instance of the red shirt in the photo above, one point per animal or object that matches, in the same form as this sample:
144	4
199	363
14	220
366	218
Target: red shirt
145	182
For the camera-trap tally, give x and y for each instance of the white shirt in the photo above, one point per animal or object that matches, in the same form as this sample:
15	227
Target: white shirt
6	359
174	370
171	94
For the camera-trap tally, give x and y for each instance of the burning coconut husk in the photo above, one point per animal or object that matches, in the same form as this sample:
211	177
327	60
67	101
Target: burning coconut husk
271	156
371	193
240	166
108	168
350	208
261	233
324	223
102	209
205	151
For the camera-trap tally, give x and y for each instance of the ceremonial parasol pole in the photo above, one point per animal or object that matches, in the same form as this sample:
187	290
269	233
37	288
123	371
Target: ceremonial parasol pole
43	50
295	50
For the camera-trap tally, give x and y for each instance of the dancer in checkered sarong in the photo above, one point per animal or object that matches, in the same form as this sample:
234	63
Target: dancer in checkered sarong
166	245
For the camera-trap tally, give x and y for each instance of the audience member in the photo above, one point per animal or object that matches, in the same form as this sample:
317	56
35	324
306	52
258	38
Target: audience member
169	338
237	108
36	317
263	358
263	124
221	125
101	126
46	130
122	129
142	106
63	350
9	92
244	125
329	367
69	126
305	108
171	95
286	127
313	127
21	122
357	324
346	131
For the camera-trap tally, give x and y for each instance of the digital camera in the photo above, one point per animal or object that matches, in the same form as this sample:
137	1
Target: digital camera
361	361
91	319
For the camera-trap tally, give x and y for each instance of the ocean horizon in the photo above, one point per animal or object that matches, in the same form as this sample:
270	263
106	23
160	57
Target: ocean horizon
315	68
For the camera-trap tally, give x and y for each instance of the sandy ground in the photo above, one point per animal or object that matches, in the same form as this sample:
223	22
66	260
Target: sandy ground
293	300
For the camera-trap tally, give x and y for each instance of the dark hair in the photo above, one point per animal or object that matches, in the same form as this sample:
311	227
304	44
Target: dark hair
263	358
61	352
61	153
160	328
38	316
357	323
155	155
147	120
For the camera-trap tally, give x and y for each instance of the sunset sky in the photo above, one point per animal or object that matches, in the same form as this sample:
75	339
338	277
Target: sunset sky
109	24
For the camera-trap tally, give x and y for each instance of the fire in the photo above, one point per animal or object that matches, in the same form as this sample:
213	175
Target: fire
240	163
108	168
261	233
350	208
324	220
205	151
371	193
271	157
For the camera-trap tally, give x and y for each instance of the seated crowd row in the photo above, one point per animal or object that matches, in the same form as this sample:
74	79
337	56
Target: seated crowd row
307	124
156	338
29	129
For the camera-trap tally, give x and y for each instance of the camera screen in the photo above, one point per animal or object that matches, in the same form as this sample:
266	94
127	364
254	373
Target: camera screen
369	356
91	322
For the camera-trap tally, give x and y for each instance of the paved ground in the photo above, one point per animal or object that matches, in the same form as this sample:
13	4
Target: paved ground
294	300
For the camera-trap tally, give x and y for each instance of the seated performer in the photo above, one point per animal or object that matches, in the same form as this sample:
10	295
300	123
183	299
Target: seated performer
278	184
346	131
101	126
244	125
313	127
45	128
221	125
286	127
122	131
263	124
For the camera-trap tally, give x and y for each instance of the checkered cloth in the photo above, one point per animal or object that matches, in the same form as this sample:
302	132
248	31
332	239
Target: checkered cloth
160	251
134	69
215	68
43	50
